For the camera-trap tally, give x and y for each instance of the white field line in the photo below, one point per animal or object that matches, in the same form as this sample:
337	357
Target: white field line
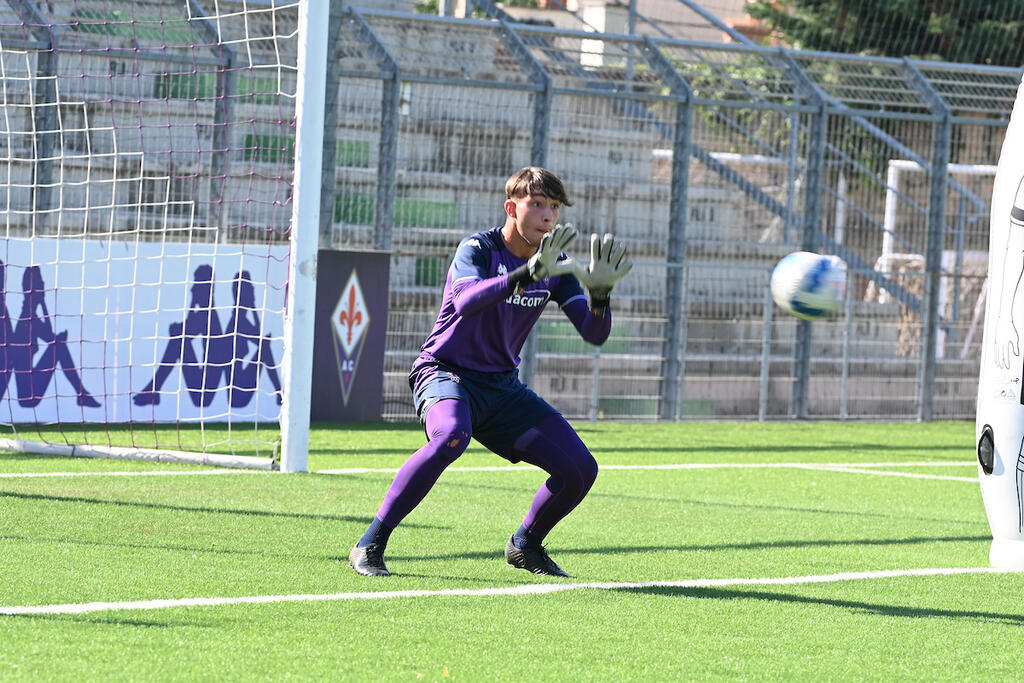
529	589
853	468
912	475
155	473
677	466
856	468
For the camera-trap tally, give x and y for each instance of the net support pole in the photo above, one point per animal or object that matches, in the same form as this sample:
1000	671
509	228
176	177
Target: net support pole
305	223
329	182
539	142
675	276
939	181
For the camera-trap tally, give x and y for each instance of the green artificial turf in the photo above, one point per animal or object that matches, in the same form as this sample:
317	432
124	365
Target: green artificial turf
110	538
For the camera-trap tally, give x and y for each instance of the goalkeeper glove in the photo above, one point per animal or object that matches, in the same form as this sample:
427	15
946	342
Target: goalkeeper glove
608	264
545	262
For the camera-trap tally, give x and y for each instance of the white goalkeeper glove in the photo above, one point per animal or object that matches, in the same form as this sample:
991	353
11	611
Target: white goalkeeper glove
608	264
545	262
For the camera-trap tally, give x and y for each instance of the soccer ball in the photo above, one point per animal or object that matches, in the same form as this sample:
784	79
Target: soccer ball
808	285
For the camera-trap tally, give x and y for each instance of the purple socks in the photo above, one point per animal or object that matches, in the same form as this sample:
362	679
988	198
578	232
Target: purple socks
551	445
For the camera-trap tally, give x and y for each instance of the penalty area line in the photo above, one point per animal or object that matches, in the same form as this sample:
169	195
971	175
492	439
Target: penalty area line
529	589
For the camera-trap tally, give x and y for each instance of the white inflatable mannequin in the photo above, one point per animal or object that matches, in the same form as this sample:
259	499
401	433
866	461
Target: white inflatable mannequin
1000	414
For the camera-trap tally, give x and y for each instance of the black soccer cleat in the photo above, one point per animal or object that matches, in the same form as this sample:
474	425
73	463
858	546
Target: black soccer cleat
369	560
535	560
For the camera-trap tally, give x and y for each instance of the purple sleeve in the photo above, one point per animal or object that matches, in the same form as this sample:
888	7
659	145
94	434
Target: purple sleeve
472	287
471	296
593	328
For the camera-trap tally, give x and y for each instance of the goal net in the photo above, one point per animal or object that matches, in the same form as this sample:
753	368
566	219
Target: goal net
147	151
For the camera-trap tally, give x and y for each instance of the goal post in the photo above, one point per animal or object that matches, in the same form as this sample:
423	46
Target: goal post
305	234
159	253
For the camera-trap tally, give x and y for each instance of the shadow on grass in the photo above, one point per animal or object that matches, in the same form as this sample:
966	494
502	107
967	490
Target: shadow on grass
206	549
104	618
854	605
361	519
919	451
526	489
710	547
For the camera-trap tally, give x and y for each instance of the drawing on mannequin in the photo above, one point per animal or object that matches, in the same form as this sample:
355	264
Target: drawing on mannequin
1007	335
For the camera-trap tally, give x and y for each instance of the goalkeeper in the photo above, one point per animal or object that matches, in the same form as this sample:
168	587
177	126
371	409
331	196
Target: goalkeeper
466	383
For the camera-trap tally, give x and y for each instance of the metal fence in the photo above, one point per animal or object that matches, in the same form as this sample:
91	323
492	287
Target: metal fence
711	161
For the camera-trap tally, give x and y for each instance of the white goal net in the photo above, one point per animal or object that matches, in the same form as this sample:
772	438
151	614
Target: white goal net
146	184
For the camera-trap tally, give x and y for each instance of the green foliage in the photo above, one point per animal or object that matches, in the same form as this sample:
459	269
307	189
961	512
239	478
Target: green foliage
971	31
746	79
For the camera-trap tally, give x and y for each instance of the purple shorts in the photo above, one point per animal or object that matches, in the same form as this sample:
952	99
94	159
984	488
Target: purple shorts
501	407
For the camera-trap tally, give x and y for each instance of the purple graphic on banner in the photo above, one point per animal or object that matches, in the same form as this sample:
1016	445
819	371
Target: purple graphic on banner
245	330
349	322
211	357
20	344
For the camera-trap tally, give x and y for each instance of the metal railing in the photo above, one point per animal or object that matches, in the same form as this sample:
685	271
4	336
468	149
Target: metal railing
711	161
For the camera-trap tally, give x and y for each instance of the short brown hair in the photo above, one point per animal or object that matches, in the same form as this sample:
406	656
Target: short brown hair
536	180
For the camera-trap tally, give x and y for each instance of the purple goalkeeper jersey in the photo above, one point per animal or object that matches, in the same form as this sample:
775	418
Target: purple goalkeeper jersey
483	324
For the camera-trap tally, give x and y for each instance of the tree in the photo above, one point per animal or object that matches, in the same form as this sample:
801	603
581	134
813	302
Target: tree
968	31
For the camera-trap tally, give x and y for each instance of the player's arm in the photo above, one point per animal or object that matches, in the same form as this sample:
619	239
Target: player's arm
569	295
472	296
473	291
593	328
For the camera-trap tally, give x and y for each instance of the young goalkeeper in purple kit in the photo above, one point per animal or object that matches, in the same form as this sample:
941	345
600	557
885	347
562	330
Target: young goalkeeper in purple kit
465	381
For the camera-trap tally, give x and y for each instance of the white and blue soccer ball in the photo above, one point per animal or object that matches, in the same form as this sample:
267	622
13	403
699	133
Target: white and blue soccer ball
808	285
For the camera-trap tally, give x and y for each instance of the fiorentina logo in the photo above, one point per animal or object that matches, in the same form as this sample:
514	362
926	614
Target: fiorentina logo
349	322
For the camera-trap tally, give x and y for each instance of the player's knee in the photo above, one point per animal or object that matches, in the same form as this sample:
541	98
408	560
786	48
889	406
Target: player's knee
451	442
582	473
586	471
589	470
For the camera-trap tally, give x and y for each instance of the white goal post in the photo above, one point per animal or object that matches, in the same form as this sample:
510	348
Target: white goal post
159	255
299	323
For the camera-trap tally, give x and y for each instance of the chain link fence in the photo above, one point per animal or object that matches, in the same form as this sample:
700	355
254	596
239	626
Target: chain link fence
711	161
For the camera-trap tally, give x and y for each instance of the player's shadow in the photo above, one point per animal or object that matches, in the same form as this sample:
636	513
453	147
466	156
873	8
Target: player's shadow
856	605
697	503
715	547
919	450
207	549
355	519
106	618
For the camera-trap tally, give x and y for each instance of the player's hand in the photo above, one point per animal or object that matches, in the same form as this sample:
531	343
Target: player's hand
545	262
608	264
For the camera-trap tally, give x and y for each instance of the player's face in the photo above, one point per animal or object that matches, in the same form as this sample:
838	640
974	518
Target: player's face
536	216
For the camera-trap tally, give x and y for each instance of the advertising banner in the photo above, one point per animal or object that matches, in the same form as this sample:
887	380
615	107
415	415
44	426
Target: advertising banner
106	331
351	325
